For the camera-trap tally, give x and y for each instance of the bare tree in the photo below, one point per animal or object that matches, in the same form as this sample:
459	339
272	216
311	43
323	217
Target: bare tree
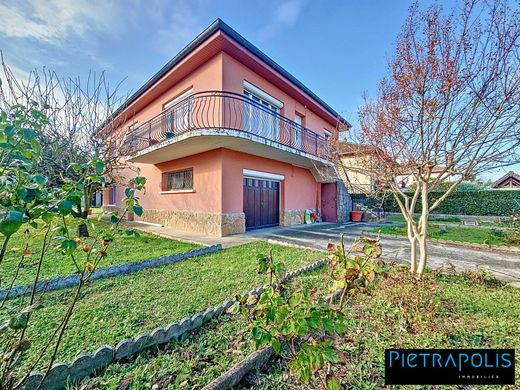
450	103
76	110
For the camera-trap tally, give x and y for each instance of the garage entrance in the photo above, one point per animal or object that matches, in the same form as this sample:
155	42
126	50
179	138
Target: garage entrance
261	203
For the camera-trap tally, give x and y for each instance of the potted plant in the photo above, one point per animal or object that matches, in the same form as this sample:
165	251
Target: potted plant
356	216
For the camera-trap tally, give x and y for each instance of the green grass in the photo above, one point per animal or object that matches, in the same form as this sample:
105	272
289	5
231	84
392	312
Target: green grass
192	363
113	309
432	218
467	234
124	250
440	311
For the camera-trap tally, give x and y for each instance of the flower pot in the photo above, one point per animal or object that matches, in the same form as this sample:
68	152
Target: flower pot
356	216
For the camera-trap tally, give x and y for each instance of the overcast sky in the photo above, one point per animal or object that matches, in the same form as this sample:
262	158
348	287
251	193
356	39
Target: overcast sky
339	49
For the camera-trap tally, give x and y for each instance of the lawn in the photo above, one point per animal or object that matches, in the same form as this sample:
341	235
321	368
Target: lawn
432	218
440	311
191	363
125	250
470	234
122	307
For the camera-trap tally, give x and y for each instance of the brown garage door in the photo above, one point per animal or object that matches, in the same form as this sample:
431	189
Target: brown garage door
261	203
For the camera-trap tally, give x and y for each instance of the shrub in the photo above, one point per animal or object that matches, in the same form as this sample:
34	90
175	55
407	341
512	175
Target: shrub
482	202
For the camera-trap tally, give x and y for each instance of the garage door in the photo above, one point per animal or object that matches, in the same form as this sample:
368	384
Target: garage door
261	203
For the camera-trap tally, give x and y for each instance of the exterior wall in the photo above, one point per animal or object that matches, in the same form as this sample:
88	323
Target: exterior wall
356	182
215	206
234	74
208	77
198	211
299	190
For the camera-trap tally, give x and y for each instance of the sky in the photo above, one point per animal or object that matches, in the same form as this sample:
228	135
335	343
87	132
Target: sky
339	49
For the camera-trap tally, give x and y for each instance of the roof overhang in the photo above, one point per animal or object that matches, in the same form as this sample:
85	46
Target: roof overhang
219	37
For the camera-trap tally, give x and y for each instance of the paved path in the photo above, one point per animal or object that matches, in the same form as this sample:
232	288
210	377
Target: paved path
505	266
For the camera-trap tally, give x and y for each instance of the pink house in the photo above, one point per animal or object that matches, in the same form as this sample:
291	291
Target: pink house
228	140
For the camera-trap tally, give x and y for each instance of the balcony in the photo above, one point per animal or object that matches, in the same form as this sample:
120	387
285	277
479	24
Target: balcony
216	114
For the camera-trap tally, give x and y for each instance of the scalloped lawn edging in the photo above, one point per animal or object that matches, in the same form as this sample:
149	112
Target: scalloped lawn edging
109	272
85	364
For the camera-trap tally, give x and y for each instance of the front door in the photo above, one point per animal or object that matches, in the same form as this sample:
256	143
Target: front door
261	203
329	202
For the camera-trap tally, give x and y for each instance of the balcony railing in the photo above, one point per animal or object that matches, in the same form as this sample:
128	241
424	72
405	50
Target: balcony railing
224	110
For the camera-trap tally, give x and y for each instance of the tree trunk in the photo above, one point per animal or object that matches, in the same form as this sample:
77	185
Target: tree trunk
413	248
87	196
423	254
423	231
83	230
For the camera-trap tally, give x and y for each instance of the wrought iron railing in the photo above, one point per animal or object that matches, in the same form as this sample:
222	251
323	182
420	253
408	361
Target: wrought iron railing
224	110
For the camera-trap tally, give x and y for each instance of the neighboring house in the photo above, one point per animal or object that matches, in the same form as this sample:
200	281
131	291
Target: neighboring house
353	157
228	140
406	181
510	181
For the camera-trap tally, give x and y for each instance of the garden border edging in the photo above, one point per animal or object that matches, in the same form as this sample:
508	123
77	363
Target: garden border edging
108	272
85	363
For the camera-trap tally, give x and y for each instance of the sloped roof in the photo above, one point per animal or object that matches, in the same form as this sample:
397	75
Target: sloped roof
346	148
501	180
219	25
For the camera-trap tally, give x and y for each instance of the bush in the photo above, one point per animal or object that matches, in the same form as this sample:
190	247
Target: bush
481	202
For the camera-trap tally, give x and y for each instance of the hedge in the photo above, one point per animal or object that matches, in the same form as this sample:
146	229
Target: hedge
481	202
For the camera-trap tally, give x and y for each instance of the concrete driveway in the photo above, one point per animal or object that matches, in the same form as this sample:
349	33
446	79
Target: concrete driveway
505	266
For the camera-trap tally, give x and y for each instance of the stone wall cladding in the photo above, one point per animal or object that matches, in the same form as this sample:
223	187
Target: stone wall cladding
117	270
344	203
212	224
293	217
85	364
233	223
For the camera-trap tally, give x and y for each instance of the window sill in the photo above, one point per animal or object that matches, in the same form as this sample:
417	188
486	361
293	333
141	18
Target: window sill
111	205
177	192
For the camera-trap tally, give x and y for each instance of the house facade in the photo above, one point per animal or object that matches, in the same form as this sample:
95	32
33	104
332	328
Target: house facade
228	141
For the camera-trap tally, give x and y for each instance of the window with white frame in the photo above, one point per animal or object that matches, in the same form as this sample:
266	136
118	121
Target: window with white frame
297	136
261	113
178	114
177	180
132	132
327	134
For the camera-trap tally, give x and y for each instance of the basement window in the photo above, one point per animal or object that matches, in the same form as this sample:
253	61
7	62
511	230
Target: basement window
177	181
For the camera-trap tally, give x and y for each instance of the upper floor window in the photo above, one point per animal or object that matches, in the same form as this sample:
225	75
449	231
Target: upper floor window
327	134
178	180
261	102
132	132
178	117
262	98
300	119
178	99
261	113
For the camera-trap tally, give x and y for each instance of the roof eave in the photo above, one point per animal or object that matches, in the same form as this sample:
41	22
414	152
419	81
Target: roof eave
217	25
